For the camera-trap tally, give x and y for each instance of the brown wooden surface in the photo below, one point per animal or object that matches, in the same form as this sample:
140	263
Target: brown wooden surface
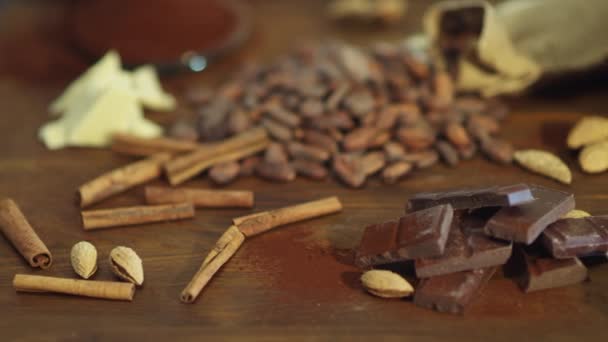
256	298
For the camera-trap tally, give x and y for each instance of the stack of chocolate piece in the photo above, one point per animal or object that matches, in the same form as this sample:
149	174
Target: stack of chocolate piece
457	240
352	112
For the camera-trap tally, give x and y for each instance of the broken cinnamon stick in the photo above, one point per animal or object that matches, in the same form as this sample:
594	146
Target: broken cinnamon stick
224	249
238	220
259	223
121	179
247	226
136	146
88	288
201	198
20	233
243	145
106	218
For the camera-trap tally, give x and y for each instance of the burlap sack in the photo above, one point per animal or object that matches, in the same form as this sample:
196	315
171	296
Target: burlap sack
519	41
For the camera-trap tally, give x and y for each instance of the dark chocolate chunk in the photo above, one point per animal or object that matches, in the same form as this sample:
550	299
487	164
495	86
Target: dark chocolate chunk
497	196
416	235
467	248
534	273
452	292
526	222
569	238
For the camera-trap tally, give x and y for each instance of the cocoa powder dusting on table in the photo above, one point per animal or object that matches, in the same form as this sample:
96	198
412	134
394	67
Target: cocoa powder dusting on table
300	263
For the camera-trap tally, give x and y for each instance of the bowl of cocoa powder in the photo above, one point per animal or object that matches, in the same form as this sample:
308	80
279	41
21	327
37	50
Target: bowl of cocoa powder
173	35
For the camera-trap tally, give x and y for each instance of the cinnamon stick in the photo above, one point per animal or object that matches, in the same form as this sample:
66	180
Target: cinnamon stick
238	220
20	233
201	198
122	179
77	287
136	146
225	248
106	218
247	226
242	145
230	234
261	222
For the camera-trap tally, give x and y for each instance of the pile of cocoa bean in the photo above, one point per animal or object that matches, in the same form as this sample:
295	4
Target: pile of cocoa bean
347	111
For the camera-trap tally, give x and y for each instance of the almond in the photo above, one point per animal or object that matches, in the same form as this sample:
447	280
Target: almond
84	259
386	284
588	130
575	213
127	265
544	163
594	157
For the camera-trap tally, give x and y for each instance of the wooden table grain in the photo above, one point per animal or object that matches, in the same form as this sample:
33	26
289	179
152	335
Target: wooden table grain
246	299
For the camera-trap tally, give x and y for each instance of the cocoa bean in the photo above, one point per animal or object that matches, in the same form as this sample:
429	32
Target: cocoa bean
276	130
447	152
336	97
481	125
183	129
417	66
224	173
418	137
497	150
387	118
275	154
281	115
248	165
311	108
394	151
468	152
409	114
300	151
457	135
349	170
380	139
470	105
359	103
359	139
320	140
444	89
238	122
335	134
395	171
372	162
422	159
497	109
277	172
309	169
212	119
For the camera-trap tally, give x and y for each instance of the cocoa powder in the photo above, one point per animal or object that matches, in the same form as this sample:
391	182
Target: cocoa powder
132	27
301	264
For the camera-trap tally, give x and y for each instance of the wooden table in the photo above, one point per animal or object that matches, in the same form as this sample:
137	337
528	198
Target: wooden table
293	282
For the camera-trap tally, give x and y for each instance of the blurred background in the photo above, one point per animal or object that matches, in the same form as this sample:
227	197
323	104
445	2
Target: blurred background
56	40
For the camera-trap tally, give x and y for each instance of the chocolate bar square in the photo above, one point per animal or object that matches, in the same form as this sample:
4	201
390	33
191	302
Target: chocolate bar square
526	222
497	196
420	234
568	238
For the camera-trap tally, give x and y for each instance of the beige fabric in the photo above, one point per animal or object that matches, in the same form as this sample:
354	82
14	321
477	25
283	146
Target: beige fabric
514	71
560	35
